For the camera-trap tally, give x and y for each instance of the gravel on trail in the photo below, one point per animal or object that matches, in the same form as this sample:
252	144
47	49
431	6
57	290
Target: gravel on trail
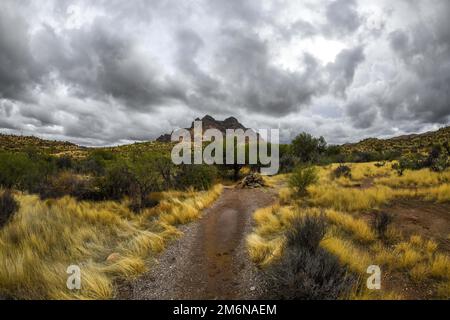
210	260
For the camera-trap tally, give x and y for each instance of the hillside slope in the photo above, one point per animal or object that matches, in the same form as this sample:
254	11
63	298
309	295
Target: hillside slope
413	143
21	143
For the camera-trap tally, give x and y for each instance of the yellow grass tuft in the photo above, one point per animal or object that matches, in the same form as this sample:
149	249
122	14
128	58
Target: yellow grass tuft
357	227
262	251
348	254
346	199
285	195
440	267
440	193
416	178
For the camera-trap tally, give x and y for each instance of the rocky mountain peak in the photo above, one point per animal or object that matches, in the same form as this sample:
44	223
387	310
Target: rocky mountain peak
209	122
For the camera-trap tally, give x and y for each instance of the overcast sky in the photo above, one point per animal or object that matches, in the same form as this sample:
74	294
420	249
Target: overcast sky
111	72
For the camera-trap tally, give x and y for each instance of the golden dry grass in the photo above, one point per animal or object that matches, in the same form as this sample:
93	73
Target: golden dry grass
266	243
351	239
45	237
349	199
415	178
358	228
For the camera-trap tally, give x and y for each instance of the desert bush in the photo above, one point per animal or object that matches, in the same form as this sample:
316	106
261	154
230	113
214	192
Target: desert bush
342	171
381	222
68	183
440	164
308	148
302	178
306	271
360	156
118	182
306	233
18	170
200	177
64	163
8	206
91	166
288	162
437	160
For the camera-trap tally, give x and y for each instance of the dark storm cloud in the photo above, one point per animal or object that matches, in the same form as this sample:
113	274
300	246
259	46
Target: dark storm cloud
255	84
203	85
248	12
362	113
343	18
97	61
18	70
423	92
342	71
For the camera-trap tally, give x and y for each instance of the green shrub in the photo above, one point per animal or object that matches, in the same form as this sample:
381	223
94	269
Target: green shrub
68	183
18	170
308	148
302	178
288	162
118	182
200	177
440	164
63	163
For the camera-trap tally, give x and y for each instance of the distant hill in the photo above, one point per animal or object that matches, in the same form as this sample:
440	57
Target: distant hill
21	143
412	143
209	122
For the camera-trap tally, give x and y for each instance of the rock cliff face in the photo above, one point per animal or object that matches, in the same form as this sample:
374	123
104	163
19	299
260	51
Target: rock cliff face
209	122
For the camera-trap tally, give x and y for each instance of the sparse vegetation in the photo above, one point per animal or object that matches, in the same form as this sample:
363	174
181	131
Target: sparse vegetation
48	236
306	271
127	202
302	178
357	241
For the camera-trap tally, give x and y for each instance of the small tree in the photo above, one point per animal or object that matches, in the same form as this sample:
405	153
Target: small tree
200	177
302	178
118	182
147	178
307	147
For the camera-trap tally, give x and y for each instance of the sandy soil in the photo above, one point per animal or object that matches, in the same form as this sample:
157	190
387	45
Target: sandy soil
417	217
430	220
210	260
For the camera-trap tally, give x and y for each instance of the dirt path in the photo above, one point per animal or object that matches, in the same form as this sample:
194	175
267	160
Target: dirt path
210	260
416	217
